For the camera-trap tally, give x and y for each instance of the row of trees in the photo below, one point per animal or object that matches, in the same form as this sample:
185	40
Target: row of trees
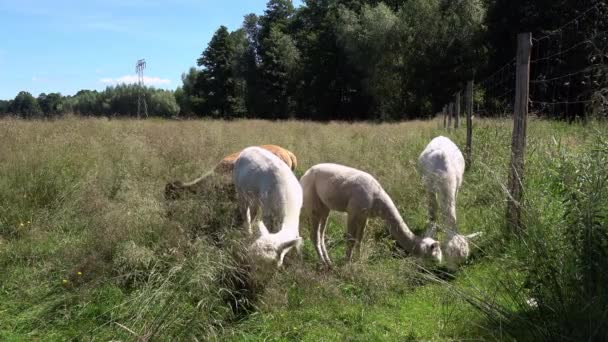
353	60
366	59
120	100
335	59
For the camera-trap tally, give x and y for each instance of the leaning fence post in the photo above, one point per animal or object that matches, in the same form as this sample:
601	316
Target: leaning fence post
518	142
457	110
469	109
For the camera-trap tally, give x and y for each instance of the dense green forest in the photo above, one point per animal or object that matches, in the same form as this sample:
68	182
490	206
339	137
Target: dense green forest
368	60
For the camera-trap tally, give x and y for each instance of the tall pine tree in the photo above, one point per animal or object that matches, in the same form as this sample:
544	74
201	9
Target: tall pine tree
215	81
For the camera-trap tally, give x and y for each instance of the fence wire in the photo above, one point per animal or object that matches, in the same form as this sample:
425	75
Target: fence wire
568	72
569	68
494	95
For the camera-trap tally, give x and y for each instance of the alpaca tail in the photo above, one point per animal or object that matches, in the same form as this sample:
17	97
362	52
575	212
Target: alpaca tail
174	190
294	160
197	181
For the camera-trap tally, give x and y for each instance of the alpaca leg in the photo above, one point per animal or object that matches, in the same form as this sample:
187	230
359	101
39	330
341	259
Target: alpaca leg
448	208
315	234
254	210
359	238
433	207
322	229
452	212
354	231
244	208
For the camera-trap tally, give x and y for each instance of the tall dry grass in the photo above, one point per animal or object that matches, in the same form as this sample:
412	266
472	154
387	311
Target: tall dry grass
90	248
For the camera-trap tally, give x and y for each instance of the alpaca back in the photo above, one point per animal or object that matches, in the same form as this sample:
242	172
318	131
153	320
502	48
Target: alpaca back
262	176
337	186
441	164
226	165
286	156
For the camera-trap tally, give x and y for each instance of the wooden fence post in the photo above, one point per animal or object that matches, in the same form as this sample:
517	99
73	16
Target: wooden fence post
469	109
450	114
518	142
444	111
457	110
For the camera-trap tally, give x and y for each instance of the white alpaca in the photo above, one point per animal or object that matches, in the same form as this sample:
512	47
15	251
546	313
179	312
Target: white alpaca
264	182
335	187
441	165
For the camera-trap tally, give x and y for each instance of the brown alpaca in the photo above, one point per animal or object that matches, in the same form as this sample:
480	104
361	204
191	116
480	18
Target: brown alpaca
173	190
226	165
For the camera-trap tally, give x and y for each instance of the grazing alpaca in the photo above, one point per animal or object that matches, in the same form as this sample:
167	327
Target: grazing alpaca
336	187
441	165
263	182
173	190
226	165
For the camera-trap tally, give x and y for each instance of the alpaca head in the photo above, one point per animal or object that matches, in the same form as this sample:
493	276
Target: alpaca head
428	249
173	190
457	250
267	252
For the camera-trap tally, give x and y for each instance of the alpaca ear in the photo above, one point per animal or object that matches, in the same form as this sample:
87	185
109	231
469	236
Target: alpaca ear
285	246
473	236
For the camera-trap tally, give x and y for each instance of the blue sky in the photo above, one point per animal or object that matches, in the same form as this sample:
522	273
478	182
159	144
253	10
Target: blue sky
66	45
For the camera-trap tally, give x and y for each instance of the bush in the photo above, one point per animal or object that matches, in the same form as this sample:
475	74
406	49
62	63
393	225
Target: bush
555	283
567	276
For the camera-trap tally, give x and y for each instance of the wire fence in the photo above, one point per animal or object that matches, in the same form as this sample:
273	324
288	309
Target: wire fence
563	74
494	95
568	73
569	68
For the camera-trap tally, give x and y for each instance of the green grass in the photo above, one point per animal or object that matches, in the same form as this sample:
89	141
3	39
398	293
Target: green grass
89	249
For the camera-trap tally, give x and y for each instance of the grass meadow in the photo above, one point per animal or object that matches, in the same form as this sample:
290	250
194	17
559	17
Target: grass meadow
90	250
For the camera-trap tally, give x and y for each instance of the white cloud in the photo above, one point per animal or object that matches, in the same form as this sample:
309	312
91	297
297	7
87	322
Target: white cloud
40	79
129	79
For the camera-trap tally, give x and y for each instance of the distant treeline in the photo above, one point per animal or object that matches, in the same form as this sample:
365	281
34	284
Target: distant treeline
351	60
113	101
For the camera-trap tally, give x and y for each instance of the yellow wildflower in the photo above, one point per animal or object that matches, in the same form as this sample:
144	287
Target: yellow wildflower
79	273
21	224
65	281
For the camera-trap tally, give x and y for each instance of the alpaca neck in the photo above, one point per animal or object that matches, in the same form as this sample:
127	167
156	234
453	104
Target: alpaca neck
397	227
289	228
